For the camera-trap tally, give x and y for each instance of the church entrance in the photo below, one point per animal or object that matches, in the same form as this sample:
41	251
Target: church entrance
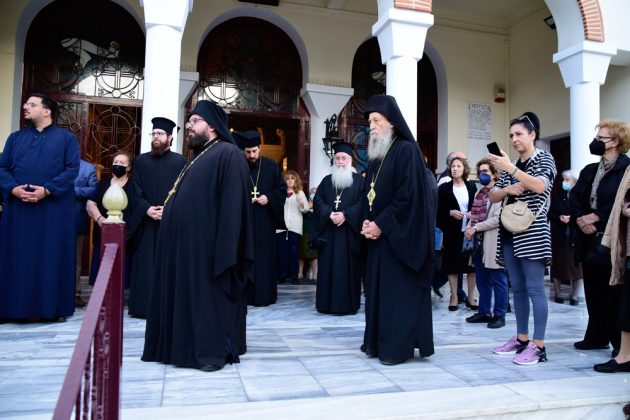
252	69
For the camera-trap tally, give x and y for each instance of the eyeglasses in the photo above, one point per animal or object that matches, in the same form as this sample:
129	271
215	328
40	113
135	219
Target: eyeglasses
31	105
521	119
601	138
194	121
157	134
289	177
341	158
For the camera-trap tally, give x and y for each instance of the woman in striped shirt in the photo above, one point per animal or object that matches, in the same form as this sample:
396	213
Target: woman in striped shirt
525	255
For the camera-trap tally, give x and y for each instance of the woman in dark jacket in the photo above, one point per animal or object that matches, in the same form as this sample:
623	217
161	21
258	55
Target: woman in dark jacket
455	200
563	266
590	205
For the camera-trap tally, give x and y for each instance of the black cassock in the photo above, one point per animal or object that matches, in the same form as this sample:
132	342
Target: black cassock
204	260
339	247
267	219
400	264
152	178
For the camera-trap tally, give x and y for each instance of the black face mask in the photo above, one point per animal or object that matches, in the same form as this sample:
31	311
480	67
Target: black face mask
119	170
597	148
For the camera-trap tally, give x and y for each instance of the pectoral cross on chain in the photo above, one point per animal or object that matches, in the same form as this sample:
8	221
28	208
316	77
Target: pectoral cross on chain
337	201
255	193
371	195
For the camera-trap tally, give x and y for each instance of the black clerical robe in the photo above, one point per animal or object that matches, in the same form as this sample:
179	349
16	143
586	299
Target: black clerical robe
400	264
338	256
267	178
204	260
152	178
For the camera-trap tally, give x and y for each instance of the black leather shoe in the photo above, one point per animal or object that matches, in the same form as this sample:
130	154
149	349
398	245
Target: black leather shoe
437	292
388	362
585	345
614	353
210	368
497	322
363	348
574	302
558	300
612	366
295	281
479	318
472	306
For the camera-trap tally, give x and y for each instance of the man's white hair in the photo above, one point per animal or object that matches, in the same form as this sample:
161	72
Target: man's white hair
379	144
341	176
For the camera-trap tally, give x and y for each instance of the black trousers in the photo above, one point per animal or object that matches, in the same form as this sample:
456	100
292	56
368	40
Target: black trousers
603	303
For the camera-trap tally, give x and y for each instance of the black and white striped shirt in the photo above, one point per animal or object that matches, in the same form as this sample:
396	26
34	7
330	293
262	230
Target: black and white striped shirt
535	242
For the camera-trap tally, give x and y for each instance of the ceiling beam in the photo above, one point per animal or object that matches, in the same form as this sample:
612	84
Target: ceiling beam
335	4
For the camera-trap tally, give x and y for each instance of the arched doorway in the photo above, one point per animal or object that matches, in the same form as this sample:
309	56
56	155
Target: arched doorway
251	68
368	78
89	57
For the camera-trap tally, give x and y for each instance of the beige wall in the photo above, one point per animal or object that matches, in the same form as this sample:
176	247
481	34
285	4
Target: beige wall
535	81
472	69
615	94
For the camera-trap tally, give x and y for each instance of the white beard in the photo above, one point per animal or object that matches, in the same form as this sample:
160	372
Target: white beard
379	144
341	176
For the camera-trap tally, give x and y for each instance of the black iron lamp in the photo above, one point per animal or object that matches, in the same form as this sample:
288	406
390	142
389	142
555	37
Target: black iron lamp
332	136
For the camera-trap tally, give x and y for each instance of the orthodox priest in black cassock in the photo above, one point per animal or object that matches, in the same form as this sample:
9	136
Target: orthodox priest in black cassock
399	227
268	194
205	255
338	212
153	175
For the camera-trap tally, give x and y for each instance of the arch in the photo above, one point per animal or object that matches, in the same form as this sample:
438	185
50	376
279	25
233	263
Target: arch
592	20
442	95
418	5
270	17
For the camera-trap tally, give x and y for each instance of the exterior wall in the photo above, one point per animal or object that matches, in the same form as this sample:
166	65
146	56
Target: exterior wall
535	81
615	94
472	71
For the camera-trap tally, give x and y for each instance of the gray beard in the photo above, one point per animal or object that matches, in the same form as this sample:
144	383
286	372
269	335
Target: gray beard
379	145
341	176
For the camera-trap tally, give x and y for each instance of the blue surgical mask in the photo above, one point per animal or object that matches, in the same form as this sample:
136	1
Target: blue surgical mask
484	179
311	197
566	186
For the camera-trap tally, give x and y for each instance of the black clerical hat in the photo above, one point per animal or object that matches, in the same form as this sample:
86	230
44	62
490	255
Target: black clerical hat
163	124
214	115
386	105
342	146
246	139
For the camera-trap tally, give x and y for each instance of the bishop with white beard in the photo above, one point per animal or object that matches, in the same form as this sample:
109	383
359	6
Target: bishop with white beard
399	226
338	207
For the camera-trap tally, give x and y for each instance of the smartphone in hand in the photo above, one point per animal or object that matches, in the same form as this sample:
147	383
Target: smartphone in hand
494	148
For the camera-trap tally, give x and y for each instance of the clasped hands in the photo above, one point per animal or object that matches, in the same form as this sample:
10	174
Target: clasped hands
587	222
370	230
338	218
155	212
38	193
262	200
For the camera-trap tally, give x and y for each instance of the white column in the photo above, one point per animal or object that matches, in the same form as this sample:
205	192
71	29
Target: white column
583	68
165	21
322	101
401	36
188	81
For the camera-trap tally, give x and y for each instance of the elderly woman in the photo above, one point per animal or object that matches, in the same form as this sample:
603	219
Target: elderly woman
491	277
617	237
563	266
525	255
455	200
590	204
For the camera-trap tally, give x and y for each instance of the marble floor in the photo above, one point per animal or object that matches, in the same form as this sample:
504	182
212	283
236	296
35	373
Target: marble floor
302	364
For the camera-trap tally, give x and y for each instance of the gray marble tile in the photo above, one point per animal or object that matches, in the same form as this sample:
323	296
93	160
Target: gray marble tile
336	363
184	391
356	383
271	367
266	388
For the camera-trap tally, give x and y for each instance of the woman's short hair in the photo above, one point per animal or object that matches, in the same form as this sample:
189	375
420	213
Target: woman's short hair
128	155
486	161
570	173
620	130
466	167
298	182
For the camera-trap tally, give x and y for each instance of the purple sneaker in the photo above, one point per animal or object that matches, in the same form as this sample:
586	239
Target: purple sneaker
513	346
531	355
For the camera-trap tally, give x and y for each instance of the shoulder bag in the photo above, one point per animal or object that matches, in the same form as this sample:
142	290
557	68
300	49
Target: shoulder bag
517	217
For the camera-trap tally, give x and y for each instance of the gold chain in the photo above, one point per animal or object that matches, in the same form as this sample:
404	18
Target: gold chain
184	170
371	196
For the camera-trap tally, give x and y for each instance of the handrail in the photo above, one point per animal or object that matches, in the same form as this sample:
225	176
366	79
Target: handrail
98	371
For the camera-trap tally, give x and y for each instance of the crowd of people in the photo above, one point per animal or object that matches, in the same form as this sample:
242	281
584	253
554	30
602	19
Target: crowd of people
207	237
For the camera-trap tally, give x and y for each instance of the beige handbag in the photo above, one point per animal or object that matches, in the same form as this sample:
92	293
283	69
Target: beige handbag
517	217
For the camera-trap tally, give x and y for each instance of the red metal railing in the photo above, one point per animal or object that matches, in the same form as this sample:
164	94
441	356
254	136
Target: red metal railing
91	388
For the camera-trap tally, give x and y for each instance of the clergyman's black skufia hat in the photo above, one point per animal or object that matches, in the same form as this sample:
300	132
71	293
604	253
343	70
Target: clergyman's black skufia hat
342	146
163	124
246	139
386	105
214	115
